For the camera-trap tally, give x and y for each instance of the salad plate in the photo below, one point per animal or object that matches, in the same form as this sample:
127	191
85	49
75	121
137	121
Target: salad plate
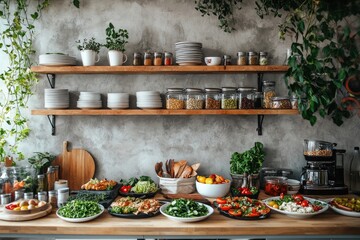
132	215
78	220
336	207
320	207
139	195
186	219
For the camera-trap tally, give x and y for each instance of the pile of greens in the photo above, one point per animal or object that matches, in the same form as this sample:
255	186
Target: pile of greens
79	209
249	161
186	208
142	185
84	196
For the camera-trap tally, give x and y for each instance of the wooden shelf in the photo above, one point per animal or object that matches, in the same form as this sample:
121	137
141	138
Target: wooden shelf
157	69
161	112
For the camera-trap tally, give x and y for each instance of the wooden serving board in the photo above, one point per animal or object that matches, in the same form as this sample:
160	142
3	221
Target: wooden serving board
24	217
77	166
26	212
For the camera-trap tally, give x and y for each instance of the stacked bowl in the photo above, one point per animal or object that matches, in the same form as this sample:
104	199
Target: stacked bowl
89	100
56	98
118	100
54	59
148	99
188	53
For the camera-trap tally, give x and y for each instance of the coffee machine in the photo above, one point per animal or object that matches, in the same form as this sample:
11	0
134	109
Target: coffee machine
324	171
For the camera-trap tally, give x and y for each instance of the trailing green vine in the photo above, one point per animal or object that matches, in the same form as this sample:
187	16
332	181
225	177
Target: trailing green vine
16	34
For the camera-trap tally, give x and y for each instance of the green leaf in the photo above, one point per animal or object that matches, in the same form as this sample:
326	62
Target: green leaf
301	26
76	3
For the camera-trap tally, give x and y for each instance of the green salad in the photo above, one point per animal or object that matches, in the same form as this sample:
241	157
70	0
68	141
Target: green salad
186	208
79	209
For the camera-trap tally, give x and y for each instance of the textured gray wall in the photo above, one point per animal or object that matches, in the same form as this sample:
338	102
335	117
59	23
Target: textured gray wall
126	146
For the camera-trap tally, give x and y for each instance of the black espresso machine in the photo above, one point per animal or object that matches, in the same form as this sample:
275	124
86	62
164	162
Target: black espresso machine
324	171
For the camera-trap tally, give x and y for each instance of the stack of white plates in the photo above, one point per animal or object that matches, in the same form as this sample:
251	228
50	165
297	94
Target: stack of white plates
56	98
118	100
54	59
188	53
148	99
89	100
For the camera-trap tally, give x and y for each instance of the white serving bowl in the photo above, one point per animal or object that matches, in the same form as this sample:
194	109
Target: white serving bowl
213	190
293	186
213	61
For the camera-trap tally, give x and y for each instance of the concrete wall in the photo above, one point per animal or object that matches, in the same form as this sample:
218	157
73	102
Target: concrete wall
126	146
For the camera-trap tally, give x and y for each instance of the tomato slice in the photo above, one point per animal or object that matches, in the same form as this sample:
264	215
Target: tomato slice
220	200
225	207
235	212
298	197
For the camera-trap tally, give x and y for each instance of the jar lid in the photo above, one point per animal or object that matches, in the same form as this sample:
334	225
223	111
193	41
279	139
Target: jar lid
227	57
41	193
228	89
168	54
158	53
174	89
241	53
137	54
279	98
63	190
40	176
268	83
263	53
252	53
212	90
28	194
193	90
246	89
52	192
275	179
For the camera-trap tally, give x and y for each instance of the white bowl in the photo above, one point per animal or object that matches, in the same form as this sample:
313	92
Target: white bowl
213	190
213	61
293	186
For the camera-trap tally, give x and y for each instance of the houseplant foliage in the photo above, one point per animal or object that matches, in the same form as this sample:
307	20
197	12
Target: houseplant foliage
16	34
116	39
90	44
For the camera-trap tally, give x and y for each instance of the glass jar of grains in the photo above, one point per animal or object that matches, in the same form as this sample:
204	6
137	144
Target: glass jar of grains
212	98
228	98
175	98
194	98
253	58
148	59
158	59
137	59
263	58
242	60
246	97
268	92
280	103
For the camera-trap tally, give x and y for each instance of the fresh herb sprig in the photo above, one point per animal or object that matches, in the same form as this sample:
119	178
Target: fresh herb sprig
89	45
249	161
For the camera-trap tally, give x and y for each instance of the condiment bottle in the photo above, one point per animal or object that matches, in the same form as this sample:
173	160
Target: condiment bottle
148	59
42	196
242	60
52	198
5	198
227	60
28	195
7	186
168	59
157	59
355	172
212	98
19	194
137	59
228	98
175	98
269	93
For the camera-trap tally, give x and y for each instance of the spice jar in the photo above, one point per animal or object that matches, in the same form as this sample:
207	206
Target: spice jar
194	98
253	58
157	59
56	171
53	198
212	98
228	98
280	103
5	198
241	58
63	195
137	59
246	97
263	58
28	195
269	93
19	194
274	186
174	98
258	100
42	196
227	60
148	59
168	59
50	174
41	182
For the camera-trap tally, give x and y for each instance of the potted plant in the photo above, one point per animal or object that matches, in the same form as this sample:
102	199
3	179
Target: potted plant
89	51
244	170
115	43
41	161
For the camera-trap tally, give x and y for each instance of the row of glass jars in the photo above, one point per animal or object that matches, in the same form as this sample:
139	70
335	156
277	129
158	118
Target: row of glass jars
156	59
213	98
252	58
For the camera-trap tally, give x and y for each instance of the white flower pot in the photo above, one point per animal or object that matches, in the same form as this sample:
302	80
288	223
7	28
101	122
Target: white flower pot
116	58
89	57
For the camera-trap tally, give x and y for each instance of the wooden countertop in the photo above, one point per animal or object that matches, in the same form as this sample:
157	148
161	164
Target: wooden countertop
326	224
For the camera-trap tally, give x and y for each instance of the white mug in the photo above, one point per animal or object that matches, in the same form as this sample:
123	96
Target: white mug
89	57
116	58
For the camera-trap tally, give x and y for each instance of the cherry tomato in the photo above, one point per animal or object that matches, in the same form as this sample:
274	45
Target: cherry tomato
298	197
220	200
253	214
235	212
316	208
304	203
125	189
225	207
281	196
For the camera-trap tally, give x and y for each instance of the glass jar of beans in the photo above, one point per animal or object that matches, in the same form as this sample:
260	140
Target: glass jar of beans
175	98
229	98
212	98
246	97
194	98
269	93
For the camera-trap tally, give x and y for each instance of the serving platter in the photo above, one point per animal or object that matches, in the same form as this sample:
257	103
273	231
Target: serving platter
342	211
138	195
227	214
24	217
189	219
78	220
24	212
133	216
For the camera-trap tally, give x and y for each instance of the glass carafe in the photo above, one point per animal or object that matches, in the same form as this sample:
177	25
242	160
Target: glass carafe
355	172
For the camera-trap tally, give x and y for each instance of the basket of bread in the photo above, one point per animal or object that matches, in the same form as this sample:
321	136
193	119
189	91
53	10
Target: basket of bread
179	176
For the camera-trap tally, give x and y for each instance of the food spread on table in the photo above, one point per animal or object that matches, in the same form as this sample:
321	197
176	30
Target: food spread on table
79	209
347	204
141	185
99	185
25	205
186	208
134	206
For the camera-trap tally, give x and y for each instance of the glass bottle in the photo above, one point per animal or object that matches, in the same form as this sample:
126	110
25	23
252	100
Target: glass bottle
212	98
137	59
6	181
355	172
41	183
53	198
50	174
269	93
227	60
174	98
241	58
194	98
228	98
246	97
157	59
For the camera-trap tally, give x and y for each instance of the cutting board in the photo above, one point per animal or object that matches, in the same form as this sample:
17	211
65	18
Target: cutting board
25	217
76	165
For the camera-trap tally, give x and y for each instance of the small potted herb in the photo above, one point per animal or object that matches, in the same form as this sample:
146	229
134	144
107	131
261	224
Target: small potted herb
89	50
115	43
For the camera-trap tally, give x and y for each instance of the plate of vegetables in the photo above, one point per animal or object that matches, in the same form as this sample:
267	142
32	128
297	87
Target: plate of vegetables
142	187
242	208
186	210
296	206
80	211
346	206
131	207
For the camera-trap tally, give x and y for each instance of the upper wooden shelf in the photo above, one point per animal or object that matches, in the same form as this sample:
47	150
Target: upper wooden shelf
147	112
156	69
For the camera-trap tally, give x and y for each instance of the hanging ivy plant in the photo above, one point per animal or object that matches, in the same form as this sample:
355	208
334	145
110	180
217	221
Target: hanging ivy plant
17	80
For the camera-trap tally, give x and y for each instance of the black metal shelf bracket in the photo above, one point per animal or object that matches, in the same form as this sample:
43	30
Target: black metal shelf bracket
260	123
51	78
51	119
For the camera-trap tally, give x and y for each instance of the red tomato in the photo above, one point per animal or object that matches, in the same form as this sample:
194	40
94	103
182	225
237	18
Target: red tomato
305	203
316	208
225	207
235	212
253	214
125	189
220	200
298	197
281	196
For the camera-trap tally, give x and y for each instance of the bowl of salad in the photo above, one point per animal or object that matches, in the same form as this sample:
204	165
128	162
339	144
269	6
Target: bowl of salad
142	187
186	210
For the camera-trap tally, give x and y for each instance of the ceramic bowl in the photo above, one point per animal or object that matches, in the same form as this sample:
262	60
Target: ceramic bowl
213	190
293	186
213	61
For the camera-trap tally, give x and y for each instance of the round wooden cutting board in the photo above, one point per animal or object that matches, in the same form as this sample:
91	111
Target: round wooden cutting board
77	166
24	217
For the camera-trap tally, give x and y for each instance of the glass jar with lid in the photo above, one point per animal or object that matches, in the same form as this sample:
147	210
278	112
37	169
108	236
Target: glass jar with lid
227	60
158	59
137	59
174	98
246	97
148	59
253	58
194	98
168	60
228	98
263	60
242	60
280	103
212	98
268	92
274	186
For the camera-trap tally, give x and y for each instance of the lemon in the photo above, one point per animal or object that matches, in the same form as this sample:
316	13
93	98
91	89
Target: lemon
201	179
209	181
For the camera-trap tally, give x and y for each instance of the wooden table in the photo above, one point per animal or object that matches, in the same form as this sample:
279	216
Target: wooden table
328	224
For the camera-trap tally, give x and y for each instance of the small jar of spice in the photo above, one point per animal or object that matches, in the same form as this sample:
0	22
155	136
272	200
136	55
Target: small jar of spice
241	58
253	58
263	58
137	59
212	98
158	59
168	60
148	59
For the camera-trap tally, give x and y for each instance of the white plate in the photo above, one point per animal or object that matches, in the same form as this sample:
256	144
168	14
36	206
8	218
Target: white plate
77	220
294	214
344	212
191	219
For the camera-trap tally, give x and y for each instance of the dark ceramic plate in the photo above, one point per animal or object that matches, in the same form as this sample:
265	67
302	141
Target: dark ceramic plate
138	195
131	215
226	214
